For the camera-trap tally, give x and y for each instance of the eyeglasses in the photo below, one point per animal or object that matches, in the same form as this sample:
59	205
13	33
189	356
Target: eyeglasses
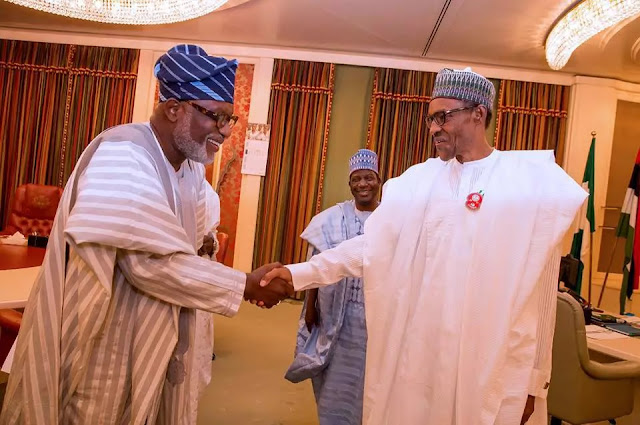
220	118
441	117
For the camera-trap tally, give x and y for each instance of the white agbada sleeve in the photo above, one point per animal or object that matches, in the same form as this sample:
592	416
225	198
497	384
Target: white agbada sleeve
561	190
547	288
330	266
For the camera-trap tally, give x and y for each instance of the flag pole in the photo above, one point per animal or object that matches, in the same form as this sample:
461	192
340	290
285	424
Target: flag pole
590	263
593	135
606	275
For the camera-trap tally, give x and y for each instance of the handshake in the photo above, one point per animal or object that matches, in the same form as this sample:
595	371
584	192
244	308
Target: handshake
268	285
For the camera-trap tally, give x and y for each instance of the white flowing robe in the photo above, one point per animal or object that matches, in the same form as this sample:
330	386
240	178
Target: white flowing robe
460	310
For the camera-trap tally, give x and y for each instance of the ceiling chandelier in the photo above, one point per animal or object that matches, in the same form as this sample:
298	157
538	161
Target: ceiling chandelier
582	22
128	12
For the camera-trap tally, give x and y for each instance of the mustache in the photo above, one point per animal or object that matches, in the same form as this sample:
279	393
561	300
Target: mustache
214	138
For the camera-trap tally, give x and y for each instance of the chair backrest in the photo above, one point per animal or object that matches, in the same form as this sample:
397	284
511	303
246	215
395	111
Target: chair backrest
582	392
569	346
569	268
34	208
223	244
570	336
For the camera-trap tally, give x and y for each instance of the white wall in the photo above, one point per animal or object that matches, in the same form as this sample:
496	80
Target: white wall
593	108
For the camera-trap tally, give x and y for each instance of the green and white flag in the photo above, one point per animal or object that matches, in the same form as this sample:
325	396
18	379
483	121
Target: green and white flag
628	228
580	247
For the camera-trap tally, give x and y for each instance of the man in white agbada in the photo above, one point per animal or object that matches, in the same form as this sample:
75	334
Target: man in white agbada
109	329
460	265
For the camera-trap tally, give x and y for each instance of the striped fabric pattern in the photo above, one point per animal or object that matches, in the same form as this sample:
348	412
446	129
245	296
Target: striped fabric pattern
546	297
186	72
101	343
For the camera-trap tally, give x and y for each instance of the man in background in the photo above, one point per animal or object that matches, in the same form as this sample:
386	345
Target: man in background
332	339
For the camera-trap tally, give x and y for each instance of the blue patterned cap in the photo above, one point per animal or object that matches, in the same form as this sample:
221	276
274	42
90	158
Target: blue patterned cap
364	159
186	72
464	85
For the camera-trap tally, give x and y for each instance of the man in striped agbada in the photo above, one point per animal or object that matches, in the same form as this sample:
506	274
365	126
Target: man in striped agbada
108	333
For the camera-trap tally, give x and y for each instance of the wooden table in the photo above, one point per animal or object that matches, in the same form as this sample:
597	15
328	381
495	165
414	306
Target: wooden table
19	268
624	348
20	257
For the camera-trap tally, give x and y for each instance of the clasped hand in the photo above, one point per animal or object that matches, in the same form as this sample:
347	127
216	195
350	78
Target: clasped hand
267	295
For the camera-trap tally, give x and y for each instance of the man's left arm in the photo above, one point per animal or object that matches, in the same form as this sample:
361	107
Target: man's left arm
541	372
547	301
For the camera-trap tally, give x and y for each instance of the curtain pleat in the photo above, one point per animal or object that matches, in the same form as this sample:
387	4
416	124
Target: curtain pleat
291	193
397	129
532	116
53	100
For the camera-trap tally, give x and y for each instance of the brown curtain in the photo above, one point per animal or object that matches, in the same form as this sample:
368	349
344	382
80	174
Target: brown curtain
532	116
301	95
101	95
397	129
53	100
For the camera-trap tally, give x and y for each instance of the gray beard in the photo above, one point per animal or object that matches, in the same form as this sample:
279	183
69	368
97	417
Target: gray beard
186	145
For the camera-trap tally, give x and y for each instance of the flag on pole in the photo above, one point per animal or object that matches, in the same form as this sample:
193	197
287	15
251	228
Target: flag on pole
580	247
628	229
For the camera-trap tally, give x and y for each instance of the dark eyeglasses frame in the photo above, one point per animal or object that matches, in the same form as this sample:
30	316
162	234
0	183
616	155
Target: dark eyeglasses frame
441	117
220	118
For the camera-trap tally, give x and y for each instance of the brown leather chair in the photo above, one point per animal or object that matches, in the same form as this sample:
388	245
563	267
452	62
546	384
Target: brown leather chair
33	209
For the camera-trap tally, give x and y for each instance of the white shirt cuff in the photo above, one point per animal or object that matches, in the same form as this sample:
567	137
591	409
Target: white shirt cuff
539	383
303	275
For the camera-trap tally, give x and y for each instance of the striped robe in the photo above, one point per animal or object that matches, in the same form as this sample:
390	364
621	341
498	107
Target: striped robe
106	335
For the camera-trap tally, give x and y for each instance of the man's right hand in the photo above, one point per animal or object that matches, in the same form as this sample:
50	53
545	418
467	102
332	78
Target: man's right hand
266	296
277	272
